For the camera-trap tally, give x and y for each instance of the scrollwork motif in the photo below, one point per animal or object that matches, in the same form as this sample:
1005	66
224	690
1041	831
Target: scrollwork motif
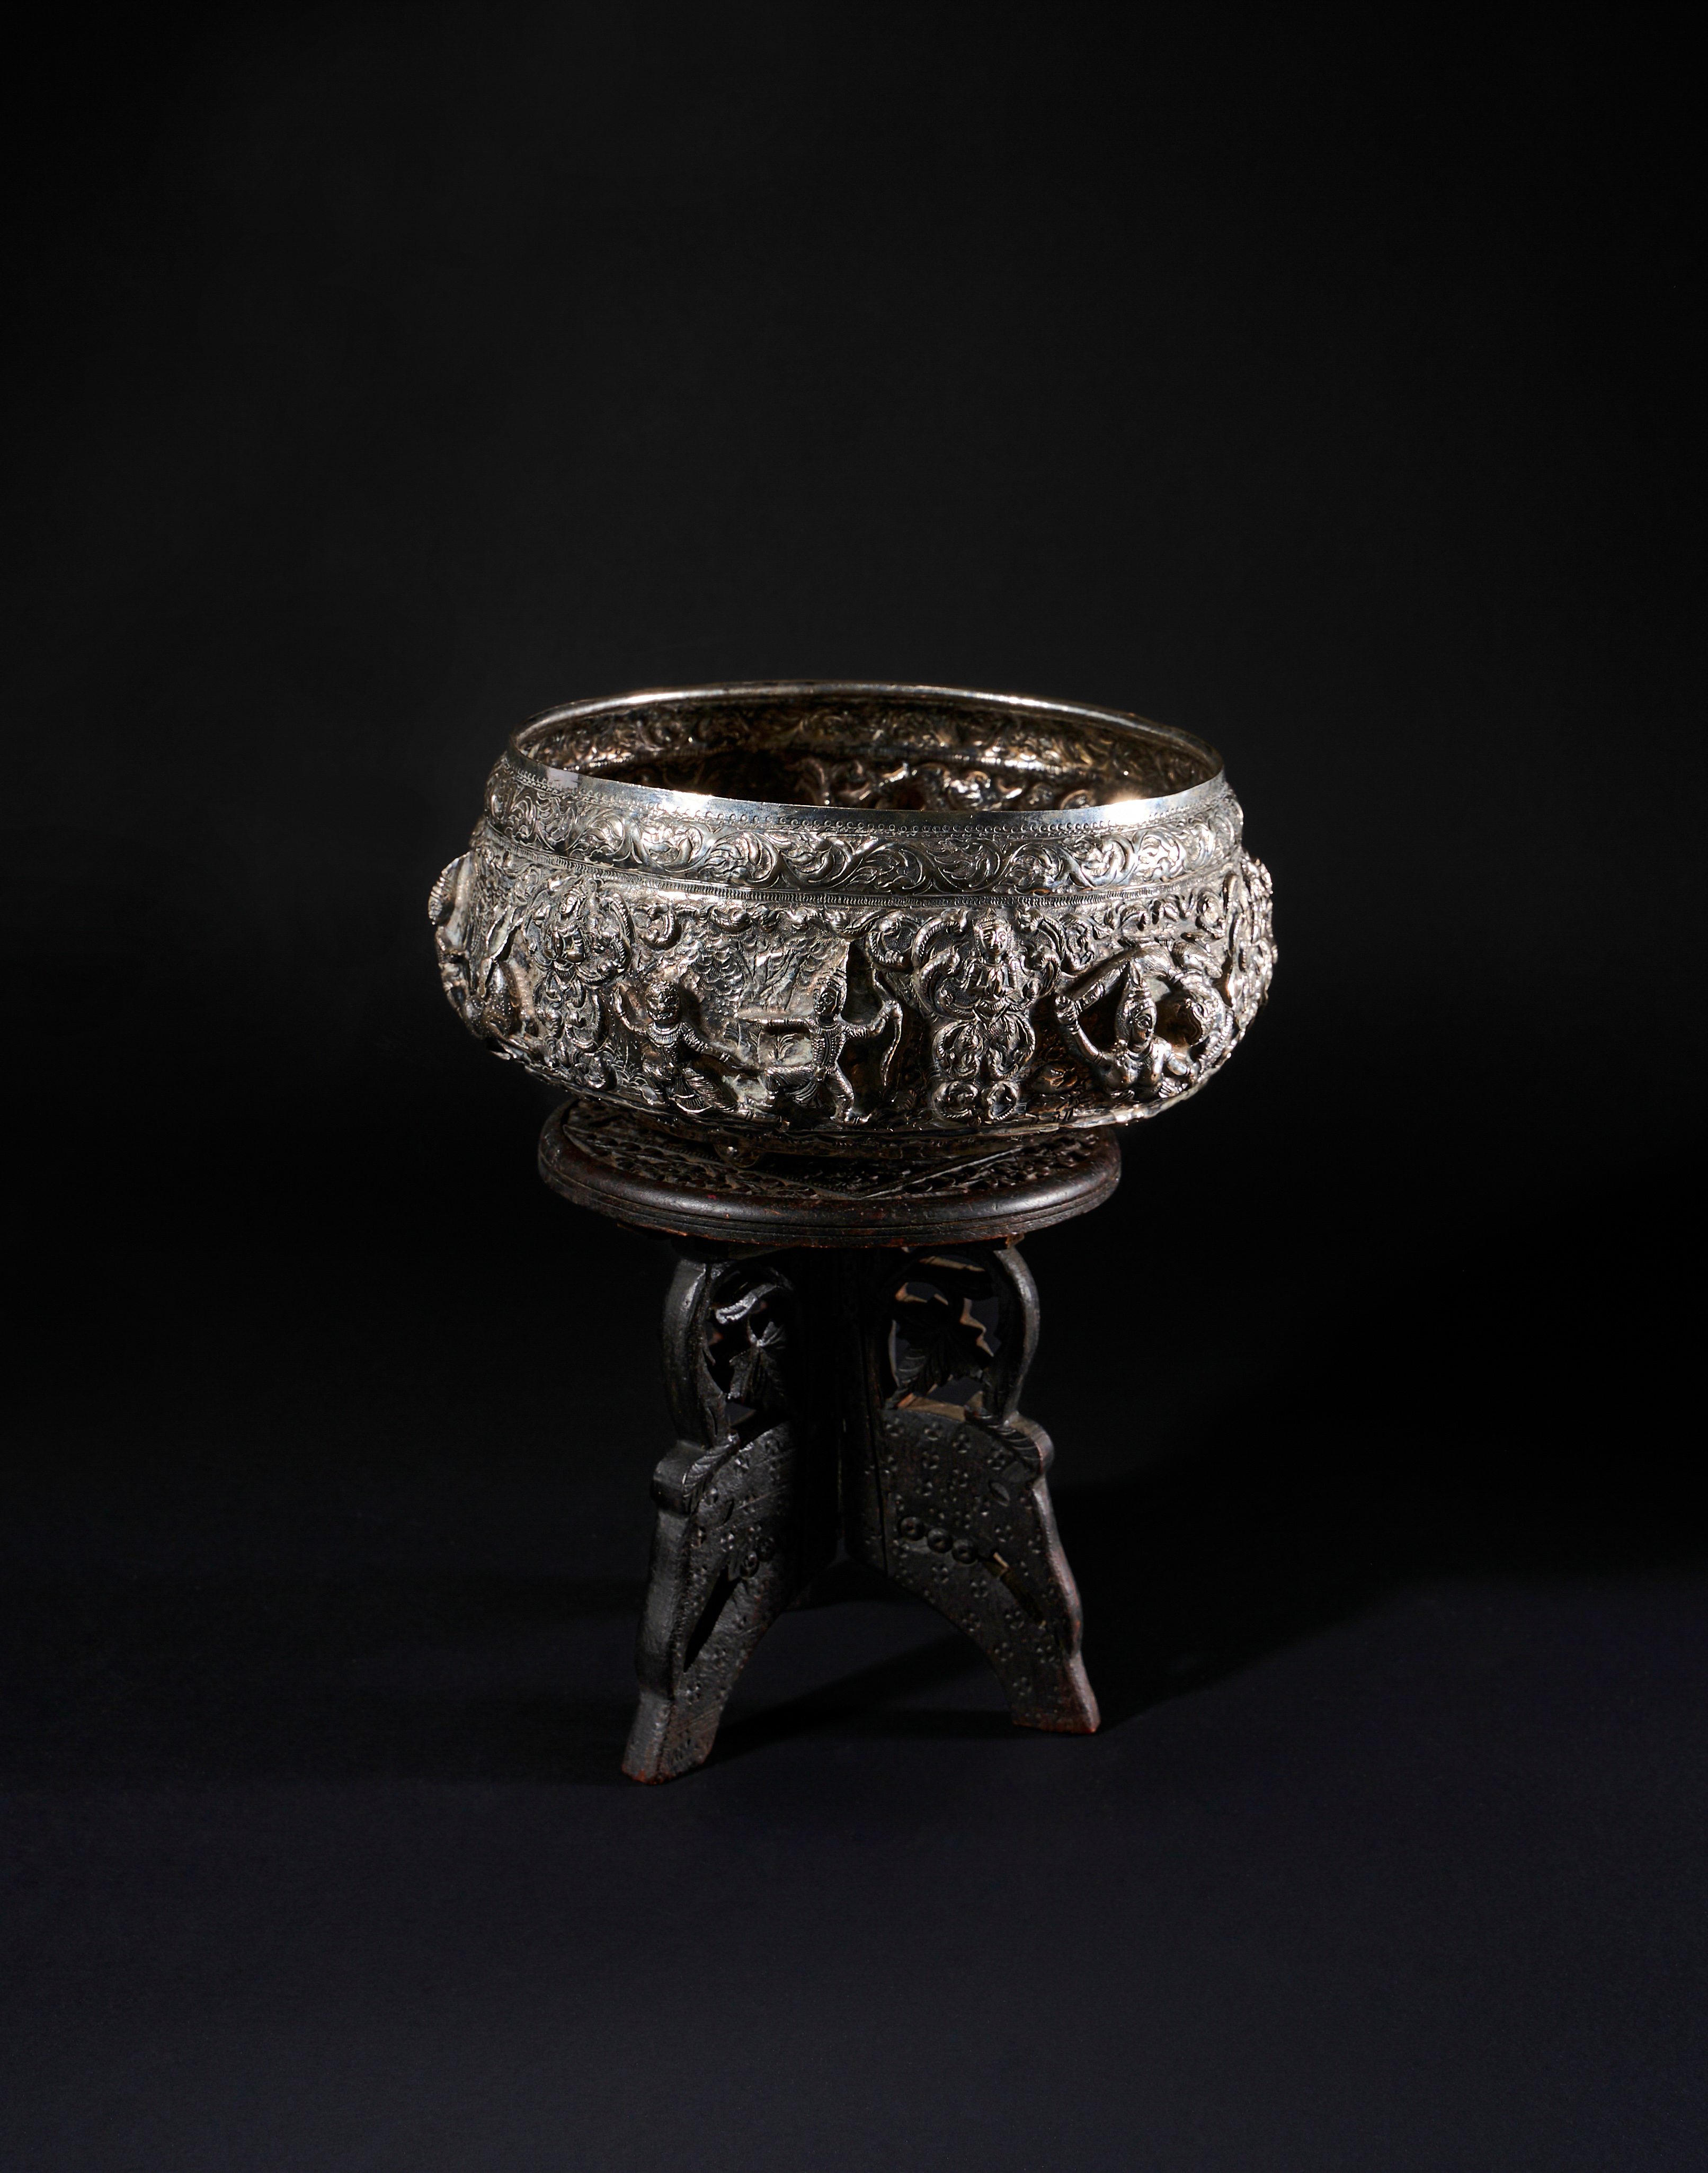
583	823
833	966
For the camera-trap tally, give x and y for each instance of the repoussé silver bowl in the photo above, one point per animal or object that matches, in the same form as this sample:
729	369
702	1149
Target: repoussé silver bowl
857	912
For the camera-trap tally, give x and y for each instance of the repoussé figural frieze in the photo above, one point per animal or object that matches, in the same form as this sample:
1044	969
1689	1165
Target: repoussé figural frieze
970	916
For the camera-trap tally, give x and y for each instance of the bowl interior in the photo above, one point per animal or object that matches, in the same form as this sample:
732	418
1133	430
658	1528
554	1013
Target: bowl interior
928	749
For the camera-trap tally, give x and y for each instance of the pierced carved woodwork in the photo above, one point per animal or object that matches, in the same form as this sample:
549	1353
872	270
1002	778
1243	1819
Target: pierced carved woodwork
945	1486
844	1348
865	1394
746	1500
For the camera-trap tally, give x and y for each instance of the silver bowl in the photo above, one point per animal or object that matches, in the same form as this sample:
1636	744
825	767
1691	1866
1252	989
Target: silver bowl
857	913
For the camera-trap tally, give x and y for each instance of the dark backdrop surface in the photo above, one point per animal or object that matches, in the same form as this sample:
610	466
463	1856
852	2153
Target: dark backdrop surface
392	373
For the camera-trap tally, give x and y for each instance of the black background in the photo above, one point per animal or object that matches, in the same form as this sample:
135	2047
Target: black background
391	375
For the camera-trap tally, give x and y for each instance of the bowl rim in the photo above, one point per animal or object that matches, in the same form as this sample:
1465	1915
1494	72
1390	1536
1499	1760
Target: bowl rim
707	805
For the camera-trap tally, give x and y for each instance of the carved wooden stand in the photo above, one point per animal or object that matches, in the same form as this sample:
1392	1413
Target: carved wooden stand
844	1346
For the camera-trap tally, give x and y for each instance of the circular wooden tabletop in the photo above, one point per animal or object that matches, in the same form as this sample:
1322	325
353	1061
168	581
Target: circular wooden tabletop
764	1193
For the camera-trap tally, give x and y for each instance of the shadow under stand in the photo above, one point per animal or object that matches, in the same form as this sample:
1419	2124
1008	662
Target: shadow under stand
844	1347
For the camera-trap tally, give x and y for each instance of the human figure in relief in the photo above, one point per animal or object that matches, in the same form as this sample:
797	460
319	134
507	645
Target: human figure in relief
1169	1019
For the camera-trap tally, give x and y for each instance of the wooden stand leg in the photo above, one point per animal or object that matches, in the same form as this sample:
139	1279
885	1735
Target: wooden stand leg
944	1485
745	1513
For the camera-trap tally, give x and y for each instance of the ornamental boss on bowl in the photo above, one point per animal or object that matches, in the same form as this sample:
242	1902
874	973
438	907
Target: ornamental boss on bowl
858	913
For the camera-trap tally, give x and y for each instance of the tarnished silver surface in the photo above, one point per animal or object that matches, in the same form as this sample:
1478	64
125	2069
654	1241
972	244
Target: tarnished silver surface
857	912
